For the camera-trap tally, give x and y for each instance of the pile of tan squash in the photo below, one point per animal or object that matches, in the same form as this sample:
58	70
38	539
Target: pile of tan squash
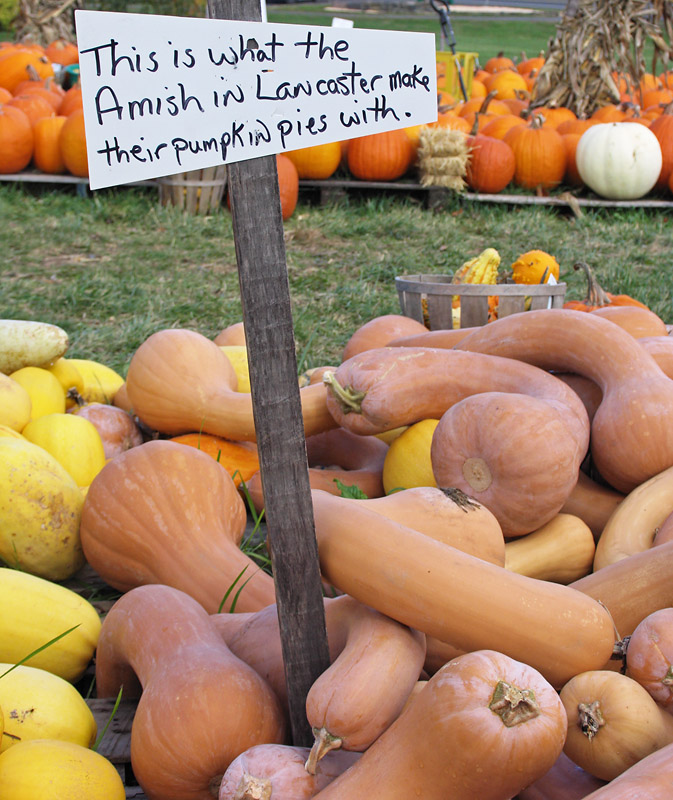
504	630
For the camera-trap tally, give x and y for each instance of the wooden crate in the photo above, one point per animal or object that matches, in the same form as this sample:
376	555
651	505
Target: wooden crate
197	192
429	299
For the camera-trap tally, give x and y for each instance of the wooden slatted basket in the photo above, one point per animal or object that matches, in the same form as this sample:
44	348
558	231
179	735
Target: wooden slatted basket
429	299
197	192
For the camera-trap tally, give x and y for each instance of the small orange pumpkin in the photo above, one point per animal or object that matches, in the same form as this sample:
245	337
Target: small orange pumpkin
72	141
317	162
63	52
47	155
16	139
34	105
539	152
535	266
382	156
597	296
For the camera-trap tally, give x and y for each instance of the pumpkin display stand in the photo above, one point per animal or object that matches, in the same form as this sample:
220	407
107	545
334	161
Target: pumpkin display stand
197	192
430	299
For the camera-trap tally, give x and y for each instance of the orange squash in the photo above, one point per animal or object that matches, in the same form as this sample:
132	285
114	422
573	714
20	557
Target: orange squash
233	334
665	532
238	458
612	723
564	781
379	332
480	702
200	706
649	656
592	502
118	430
637	395
166	513
639	322
661	349
401	572
179	381
651	777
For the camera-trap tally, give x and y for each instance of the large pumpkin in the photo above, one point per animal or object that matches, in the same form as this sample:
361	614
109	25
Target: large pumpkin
381	156
16	139
539	152
619	160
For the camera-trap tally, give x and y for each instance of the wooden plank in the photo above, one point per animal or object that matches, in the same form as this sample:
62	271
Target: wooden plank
267	318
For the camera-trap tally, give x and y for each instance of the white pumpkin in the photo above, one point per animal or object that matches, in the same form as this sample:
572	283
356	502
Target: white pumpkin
619	160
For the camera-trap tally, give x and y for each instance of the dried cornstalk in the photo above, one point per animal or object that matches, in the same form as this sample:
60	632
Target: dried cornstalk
595	39
43	21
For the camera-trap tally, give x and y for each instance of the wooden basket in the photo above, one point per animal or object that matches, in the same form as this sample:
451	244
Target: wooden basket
429	299
197	192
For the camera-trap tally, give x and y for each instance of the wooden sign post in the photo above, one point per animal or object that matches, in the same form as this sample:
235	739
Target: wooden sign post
152	100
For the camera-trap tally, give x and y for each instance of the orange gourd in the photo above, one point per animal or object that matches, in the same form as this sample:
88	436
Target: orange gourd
612	723
403	574
166	513
167	368
381	156
535	266
200	706
649	656
16	139
480	702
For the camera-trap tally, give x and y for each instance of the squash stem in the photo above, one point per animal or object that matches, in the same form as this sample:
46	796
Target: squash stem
251	788
513	705
667	680
323	743
348	398
590	718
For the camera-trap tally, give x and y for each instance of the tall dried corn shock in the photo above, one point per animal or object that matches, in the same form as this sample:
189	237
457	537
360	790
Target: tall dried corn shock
595	39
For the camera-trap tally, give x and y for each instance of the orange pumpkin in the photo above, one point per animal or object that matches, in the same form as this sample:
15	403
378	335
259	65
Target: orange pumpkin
491	165
498	62
18	63
572	175
381	156
540	154
288	184
63	52
662	128
506	83
72	100
72	141
5	95
34	106
318	162
597	296
556	115
16	139
47	155
499	125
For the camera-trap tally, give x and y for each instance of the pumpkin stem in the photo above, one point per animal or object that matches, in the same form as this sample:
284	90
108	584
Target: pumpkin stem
513	705
461	499
667	680
596	294
251	788
349	399
323	743
590	718
486	102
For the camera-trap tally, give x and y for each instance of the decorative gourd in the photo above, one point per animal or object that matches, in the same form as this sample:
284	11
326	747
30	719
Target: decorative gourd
15	404
612	722
535	266
179	381
39	705
364	554
158	643
562	550
51	770
364	690
649	656
166	513
72	141
337	456
634	523
632	588
597	296
35	611
481	702
637	395
592	502
16	139
382	156
618	160
33	485
379	332
651	777
564	781
116	428
523	479
277	770
539	153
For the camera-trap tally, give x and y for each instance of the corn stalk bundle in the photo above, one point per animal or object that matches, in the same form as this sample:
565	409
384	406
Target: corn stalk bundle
443	156
44	21
596	38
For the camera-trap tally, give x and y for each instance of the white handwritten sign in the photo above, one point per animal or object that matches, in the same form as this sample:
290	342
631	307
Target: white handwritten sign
164	95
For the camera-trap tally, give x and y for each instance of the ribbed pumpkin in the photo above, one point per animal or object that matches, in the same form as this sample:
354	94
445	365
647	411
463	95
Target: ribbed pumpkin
498	62
381	156
554	116
47	155
61	51
72	100
491	165
318	162
72	141
501	124
47	88
16	139
33	105
662	128
540	154
16	63
506	83
572	175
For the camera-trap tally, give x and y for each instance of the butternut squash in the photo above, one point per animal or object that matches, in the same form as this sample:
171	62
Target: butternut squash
665	532
649	656
480	703
179	381
633	587
651	778
268	771
612	723
404	574
170	514
639	322
631	438
200	706
379	331
442	338
592	502
562	550
564	781
634	523
661	350
588	391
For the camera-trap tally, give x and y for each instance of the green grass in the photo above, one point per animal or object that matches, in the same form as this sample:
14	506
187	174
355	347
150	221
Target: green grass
115	267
